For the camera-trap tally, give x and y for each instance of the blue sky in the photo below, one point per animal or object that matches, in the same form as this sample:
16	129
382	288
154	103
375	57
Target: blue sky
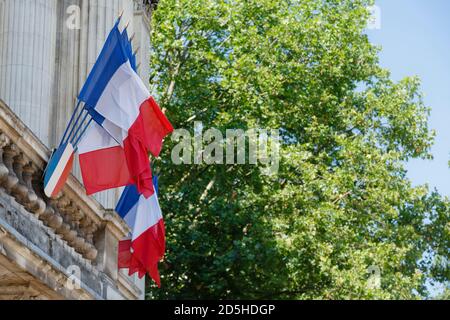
415	40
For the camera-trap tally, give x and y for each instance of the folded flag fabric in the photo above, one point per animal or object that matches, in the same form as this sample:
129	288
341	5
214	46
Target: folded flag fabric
102	161
119	102
146	247
129	50
58	170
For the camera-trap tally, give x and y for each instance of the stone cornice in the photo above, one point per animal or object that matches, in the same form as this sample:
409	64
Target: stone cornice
73	215
42	267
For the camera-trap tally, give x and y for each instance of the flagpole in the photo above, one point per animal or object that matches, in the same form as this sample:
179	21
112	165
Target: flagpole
78	105
75	145
80	121
75	125
75	135
70	122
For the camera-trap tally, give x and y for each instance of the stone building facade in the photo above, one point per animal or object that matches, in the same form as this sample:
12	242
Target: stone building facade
64	248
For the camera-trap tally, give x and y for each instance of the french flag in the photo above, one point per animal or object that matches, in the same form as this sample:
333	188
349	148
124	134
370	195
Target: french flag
58	170
146	247
128	123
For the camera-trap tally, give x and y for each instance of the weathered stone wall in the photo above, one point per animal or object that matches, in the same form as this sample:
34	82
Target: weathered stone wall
57	258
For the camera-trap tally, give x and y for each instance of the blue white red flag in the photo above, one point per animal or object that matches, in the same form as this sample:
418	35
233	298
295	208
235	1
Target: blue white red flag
60	164
58	170
146	247
119	102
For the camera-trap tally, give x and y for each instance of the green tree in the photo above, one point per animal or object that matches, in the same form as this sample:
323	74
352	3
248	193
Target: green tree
341	202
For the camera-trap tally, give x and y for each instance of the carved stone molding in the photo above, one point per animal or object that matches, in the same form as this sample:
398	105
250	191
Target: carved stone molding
4	141
72	215
62	215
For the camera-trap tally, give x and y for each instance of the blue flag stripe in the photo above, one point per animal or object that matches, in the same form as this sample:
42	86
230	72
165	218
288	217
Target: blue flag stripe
129	49
130	197
128	200
54	162
113	55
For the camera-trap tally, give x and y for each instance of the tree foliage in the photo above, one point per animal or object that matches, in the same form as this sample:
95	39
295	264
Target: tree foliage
341	201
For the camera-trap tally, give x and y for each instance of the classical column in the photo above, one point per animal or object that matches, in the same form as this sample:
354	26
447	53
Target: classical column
66	68
141	41
98	17
27	60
